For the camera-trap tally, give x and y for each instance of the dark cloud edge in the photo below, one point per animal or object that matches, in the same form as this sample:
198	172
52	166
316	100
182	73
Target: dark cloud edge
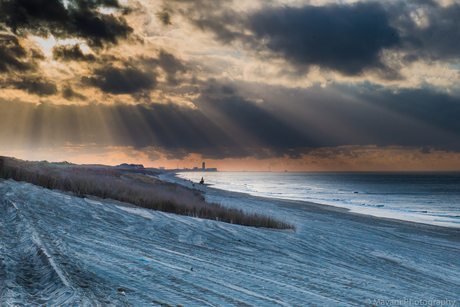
347	38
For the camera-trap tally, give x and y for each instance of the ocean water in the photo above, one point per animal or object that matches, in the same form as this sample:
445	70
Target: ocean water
428	197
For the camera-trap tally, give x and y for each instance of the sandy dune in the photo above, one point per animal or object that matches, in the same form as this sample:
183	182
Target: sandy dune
58	250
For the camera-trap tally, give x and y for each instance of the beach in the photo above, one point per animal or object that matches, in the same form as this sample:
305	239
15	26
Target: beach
107	254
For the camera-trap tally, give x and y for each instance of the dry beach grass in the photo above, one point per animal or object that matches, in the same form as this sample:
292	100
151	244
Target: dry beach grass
130	186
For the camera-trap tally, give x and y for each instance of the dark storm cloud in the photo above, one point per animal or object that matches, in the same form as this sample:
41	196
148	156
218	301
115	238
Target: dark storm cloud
13	57
98	3
171	66
72	53
69	94
98	28
438	39
346	38
77	19
198	5
210	15
136	75
81	18
219	24
37	54
35	86
35	15
426	2
164	17
127	80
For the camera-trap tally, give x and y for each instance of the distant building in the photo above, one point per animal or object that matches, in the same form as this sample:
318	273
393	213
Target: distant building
200	169
161	168
204	166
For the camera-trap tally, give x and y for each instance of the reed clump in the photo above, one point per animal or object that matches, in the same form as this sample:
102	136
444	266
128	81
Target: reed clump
131	186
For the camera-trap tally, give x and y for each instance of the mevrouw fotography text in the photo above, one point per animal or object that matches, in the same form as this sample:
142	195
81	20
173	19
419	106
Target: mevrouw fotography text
412	302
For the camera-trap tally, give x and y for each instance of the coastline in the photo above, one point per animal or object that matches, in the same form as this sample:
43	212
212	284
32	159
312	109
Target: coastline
104	251
406	197
335	212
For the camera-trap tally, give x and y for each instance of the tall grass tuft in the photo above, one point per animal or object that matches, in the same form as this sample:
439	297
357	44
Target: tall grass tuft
137	189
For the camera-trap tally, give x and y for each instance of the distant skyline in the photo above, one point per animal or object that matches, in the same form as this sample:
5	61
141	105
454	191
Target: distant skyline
240	85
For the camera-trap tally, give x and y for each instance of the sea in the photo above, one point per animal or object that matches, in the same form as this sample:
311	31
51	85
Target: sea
422	197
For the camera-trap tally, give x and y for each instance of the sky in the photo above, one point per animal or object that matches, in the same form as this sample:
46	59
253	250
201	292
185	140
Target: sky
297	85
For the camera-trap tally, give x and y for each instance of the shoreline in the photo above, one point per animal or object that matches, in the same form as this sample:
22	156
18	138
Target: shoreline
334	211
137	256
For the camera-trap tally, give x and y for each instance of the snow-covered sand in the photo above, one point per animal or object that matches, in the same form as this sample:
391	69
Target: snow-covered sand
59	250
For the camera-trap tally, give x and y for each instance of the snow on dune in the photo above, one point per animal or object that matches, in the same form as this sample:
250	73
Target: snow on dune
58	250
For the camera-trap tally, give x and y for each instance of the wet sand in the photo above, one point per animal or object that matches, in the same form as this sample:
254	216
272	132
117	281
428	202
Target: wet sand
331	211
